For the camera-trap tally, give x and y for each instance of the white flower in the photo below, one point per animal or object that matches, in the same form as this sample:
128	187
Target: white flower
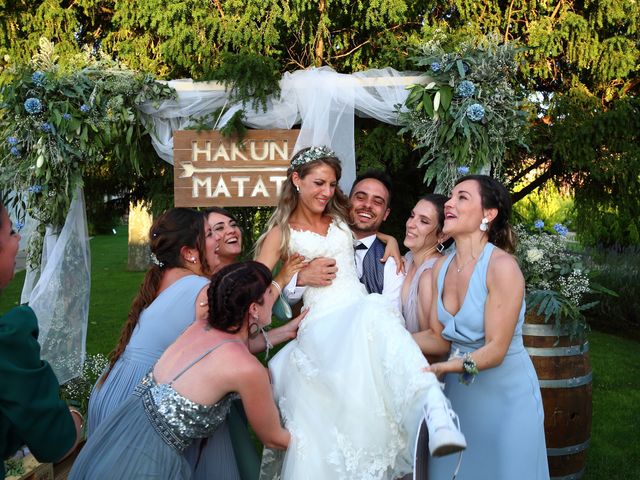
534	255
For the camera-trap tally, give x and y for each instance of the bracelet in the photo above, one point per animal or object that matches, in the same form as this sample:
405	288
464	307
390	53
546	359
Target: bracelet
268	343
73	410
470	369
275	284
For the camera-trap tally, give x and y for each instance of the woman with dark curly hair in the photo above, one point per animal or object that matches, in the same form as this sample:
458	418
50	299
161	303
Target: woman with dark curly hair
189	391
478	315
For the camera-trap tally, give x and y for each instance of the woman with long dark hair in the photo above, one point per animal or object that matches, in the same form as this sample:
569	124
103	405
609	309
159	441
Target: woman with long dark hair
189	391
478	315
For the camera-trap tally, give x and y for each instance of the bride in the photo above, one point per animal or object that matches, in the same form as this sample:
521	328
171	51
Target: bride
351	389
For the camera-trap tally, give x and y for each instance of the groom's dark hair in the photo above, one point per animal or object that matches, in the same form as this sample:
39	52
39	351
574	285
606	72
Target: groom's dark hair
379	175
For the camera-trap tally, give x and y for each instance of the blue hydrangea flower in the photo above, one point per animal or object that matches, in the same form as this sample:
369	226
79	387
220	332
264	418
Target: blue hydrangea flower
560	229
84	108
66	116
12	141
46	127
435	66
32	105
15	151
38	78
466	88
463	170
475	112
35	189
538	224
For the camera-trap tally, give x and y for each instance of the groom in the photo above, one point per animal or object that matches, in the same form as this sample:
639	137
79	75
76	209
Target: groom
370	196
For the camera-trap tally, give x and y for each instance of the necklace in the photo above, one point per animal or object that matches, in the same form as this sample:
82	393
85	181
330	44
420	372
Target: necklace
459	268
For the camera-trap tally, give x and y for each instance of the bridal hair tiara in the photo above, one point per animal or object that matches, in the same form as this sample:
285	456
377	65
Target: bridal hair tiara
313	153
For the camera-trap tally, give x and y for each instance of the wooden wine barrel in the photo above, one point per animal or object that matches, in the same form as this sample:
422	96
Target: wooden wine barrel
564	371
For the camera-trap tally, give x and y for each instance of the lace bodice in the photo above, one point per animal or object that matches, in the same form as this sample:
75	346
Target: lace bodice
176	418
337	244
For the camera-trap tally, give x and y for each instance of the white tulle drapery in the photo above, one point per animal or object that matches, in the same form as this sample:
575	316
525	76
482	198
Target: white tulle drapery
59	295
320	100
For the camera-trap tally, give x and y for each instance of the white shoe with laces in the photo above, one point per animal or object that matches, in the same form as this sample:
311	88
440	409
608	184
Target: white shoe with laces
443	424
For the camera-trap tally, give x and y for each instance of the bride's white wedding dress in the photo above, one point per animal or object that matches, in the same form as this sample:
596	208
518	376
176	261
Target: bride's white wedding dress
351	387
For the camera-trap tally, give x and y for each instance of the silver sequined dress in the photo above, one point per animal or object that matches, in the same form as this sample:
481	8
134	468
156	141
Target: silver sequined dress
146	436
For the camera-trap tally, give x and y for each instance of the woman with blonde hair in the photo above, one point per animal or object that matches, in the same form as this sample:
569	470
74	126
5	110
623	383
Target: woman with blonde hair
351	388
477	317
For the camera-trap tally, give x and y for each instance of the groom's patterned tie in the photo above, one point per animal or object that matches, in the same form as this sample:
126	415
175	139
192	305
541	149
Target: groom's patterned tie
372	268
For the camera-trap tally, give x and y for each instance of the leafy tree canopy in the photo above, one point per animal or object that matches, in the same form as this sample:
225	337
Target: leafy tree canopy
581	58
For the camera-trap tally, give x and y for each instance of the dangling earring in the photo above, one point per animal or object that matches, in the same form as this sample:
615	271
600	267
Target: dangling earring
193	259
297	188
440	247
484	225
254	328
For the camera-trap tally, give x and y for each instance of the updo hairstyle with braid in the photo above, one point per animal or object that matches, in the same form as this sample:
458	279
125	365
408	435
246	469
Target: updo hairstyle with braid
494	195
232	291
174	229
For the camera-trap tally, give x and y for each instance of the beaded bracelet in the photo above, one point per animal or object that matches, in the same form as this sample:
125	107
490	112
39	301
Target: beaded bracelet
470	369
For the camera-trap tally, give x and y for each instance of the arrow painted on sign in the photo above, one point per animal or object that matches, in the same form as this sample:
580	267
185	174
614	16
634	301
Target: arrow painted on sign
190	169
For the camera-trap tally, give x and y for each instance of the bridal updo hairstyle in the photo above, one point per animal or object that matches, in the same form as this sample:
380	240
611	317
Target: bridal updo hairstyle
493	194
337	207
174	229
231	292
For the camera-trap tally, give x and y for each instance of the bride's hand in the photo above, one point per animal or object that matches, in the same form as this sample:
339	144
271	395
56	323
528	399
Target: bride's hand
392	249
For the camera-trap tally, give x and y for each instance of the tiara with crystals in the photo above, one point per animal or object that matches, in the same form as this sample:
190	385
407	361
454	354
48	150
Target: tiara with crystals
314	153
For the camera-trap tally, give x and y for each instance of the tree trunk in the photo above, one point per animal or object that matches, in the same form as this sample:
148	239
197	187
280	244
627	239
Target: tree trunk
140	220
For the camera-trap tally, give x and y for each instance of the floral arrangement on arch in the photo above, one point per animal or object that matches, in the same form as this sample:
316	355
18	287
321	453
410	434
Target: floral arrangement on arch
557	279
58	120
469	111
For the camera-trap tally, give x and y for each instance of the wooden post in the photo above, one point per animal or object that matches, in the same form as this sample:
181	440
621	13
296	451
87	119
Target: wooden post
140	220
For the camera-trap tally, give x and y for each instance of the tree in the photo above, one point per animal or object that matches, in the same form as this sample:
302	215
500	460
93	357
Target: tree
581	58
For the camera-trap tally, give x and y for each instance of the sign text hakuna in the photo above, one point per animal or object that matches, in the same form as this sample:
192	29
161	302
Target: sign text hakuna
213	170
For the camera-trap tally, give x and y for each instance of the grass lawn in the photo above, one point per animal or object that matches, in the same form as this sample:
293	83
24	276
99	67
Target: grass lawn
615	449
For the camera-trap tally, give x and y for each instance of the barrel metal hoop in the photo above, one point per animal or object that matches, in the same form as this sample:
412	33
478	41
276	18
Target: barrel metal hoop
543	330
570	450
567	382
558	351
572	476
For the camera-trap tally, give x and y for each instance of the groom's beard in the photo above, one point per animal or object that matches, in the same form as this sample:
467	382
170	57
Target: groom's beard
363	228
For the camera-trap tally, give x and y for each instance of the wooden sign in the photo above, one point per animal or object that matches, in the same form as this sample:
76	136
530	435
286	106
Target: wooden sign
212	170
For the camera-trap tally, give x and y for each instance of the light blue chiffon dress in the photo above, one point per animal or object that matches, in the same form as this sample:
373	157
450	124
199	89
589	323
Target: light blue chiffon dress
160	324
146	436
501	412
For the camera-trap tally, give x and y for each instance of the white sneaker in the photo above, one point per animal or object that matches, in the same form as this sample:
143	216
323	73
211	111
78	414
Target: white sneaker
443	424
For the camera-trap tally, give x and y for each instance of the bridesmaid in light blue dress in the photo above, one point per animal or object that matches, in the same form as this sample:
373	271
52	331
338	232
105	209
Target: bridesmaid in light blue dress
183	252
479	313
188	393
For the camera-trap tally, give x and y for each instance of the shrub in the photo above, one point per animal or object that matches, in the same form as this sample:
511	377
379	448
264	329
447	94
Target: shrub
617	269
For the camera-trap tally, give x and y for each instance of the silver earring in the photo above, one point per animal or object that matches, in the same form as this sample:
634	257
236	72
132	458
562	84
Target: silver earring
484	225
193	259
440	247
297	189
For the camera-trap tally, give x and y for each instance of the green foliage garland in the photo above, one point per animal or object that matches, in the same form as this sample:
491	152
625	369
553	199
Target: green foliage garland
469	112
57	121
